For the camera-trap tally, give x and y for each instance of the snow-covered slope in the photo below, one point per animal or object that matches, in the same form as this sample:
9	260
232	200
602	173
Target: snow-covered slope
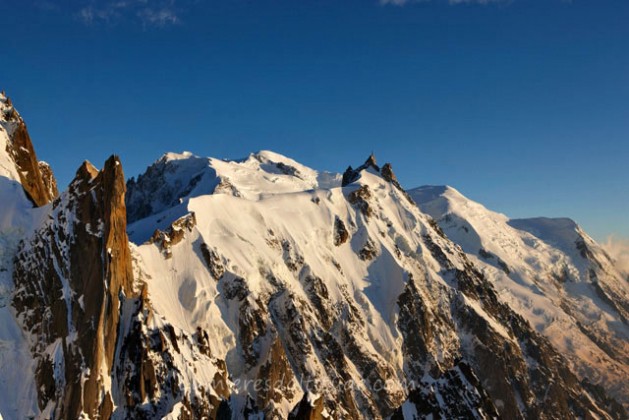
320	285
164	189
553	274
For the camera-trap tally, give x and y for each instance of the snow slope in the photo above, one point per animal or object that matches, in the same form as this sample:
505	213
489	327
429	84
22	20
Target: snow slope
284	236
551	273
248	261
163	191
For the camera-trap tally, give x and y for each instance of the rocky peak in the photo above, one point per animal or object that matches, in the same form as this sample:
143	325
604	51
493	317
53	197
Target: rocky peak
78	267
386	172
113	187
371	162
37	185
351	174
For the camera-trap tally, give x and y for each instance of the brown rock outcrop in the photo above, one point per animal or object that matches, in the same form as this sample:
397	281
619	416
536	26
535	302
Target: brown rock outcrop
175	233
20	148
48	177
213	261
341	235
360	199
78	265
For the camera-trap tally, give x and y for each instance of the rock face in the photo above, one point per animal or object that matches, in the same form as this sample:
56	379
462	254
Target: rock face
341	235
99	351
160	369
295	298
72	275
154	191
174	234
36	177
50	183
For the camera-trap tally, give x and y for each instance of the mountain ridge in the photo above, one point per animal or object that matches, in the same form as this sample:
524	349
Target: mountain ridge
263	288
557	260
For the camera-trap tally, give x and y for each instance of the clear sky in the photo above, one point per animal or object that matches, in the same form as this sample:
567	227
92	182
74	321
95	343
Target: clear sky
522	105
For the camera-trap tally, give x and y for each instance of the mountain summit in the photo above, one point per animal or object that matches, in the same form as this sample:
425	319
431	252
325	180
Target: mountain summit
261	288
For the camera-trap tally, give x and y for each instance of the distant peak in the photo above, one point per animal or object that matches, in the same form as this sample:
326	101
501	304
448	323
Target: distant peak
170	156
270	155
371	162
351	175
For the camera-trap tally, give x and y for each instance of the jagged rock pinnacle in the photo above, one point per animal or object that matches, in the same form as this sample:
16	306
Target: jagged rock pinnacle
23	154
351	175
371	161
98	268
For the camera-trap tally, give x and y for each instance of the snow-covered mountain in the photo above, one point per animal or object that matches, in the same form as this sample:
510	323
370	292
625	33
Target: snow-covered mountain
164	190
261	288
553	274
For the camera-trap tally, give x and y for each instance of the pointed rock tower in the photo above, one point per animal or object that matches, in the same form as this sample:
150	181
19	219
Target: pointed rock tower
71	277
36	177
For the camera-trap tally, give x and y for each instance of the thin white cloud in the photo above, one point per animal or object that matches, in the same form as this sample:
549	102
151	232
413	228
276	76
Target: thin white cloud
155	13
618	250
161	17
90	14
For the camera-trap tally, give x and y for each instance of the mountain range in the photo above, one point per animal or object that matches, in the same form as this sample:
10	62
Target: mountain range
261	288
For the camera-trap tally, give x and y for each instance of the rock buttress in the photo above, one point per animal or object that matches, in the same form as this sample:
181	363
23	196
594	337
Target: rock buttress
20	148
70	279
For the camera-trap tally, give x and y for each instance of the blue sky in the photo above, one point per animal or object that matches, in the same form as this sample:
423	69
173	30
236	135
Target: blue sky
522	105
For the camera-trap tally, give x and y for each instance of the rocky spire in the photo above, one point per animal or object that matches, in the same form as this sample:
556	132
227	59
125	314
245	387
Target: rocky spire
371	162
351	175
81	272
37	180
